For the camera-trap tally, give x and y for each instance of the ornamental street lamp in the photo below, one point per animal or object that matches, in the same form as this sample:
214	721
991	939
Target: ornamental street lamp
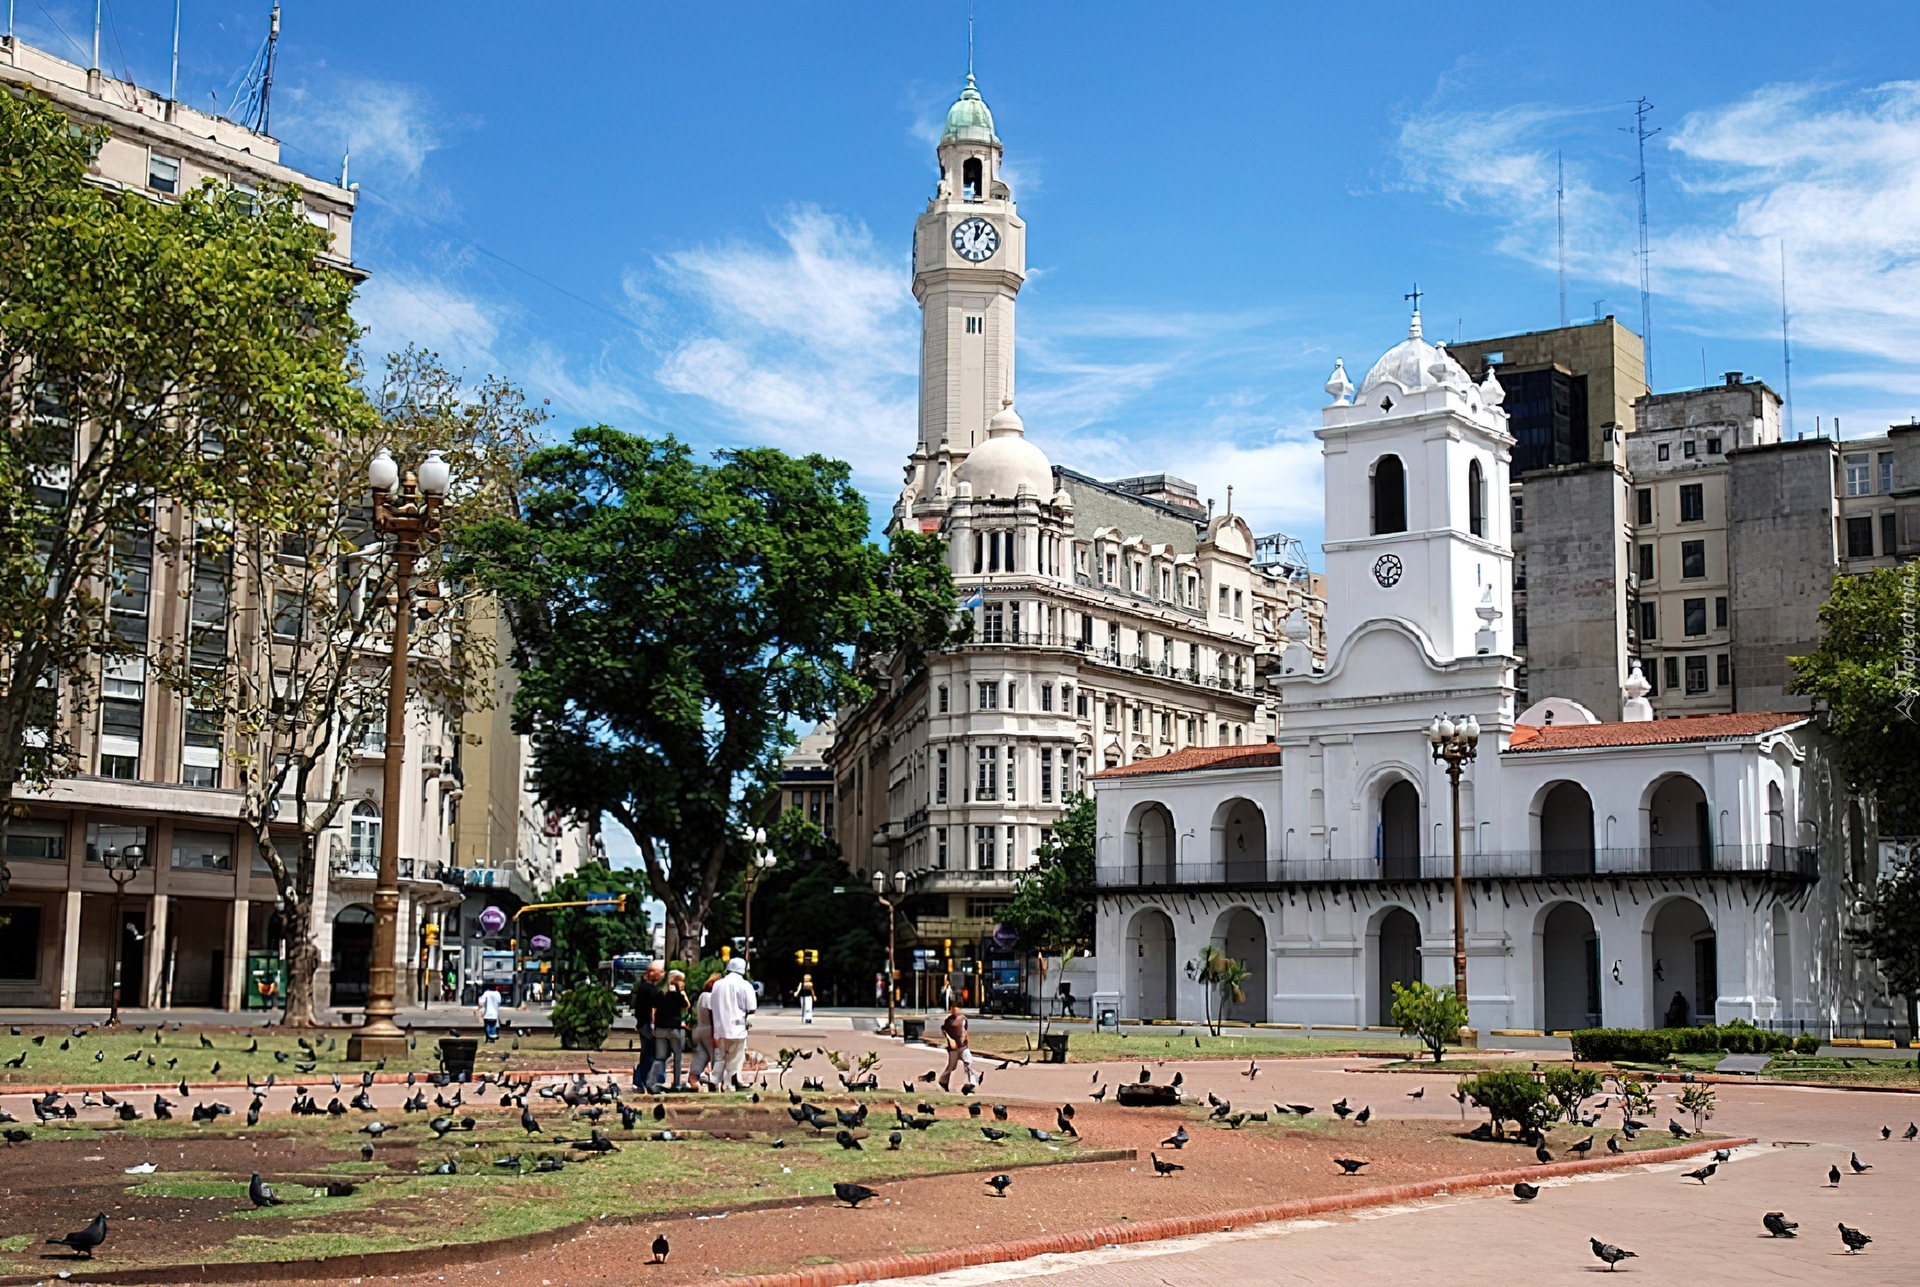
122	865
1454	743
410	515
759	862
881	883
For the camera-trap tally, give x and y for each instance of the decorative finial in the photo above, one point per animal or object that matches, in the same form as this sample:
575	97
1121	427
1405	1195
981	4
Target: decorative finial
1339	387
1492	392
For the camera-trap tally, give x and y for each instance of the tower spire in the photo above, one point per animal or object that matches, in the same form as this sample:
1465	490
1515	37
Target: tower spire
969	41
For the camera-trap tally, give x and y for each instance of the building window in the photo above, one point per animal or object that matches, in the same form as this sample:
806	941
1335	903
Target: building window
1046	775
1080	705
1136	719
1239	606
363	840
1223	600
943	699
1720	612
940	776
987	784
1111	715
1192	730
1113	568
1693	503
1476	499
1673	673
1519	515
1646	563
1011	691
1520	627
1012	834
1046	697
1223	736
983	838
1643	506
1888	541
1193	592
1013	777
940	848
1860	538
1166	585
1693	559
1138	572
1520	572
1696	676
163	173
1166	726
1713	446
1859	477
1886	473
1689	449
1724	665
1649	621
1389	496
976	325
1666	451
1694	616
289	614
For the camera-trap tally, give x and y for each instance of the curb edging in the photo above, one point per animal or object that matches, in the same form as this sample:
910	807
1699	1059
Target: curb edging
939	1262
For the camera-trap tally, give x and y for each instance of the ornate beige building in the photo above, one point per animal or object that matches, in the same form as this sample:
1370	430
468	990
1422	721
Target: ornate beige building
1112	621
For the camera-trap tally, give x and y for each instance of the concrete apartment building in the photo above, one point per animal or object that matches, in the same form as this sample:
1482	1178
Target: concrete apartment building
1113	621
200	924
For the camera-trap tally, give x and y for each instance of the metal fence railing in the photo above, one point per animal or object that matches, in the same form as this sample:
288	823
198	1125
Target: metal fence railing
1777	860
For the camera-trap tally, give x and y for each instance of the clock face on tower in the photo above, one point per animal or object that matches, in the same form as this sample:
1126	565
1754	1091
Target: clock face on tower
975	239
1386	570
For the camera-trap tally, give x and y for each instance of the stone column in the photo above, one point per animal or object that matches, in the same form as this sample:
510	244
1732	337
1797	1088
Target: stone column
156	951
70	952
237	956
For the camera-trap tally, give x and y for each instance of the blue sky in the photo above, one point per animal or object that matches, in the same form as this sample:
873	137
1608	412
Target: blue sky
695	218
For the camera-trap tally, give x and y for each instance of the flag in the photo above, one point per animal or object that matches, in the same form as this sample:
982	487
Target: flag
979	599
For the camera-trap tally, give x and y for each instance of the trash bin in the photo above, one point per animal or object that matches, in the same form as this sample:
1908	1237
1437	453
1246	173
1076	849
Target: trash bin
1054	1044
913	1029
457	1055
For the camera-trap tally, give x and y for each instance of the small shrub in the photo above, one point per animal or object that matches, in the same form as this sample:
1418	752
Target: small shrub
1610	1045
1570	1086
583	1016
1698	1100
1806	1044
1432	1014
1510	1096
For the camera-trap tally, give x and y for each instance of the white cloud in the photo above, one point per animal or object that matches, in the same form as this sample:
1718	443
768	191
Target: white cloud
384	124
398	310
808	345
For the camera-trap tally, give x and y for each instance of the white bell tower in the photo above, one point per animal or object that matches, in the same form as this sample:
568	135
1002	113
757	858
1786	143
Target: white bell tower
1418	520
969	262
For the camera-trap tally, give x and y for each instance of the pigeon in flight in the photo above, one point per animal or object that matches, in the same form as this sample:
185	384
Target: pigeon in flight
1164	1168
1608	1252
1854	1239
1778	1225
999	1183
261	1193
1350	1165
854	1194
1526	1192
1704	1174
85	1240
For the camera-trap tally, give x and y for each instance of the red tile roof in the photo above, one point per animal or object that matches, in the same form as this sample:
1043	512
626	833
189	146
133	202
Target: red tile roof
1659	732
1257	756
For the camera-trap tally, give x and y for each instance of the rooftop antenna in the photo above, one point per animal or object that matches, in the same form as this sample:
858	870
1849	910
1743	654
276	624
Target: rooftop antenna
1786	350
95	64
1560	214
1641	134
173	85
969	38
252	103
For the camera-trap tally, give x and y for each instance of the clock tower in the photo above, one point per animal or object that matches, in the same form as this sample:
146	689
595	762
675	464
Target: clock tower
969	260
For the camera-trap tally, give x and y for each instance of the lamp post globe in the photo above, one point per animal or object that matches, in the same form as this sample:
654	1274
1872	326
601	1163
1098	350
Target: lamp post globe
435	474
1455	742
382	474
122	864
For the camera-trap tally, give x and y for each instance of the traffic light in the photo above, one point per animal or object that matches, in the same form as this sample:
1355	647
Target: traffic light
799	956
813	956
726	952
431	934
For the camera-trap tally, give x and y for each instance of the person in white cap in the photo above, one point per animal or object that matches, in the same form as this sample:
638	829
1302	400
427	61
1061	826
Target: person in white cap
733	1001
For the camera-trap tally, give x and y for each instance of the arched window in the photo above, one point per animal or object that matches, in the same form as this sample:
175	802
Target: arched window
1389	496
363	848
970	177
1476	499
1776	819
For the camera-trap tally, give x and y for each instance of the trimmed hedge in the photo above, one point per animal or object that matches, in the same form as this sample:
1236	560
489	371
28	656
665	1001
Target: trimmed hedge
1655	1045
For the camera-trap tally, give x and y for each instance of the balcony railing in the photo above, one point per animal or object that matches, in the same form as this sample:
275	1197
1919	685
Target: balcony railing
962	876
1773	860
366	867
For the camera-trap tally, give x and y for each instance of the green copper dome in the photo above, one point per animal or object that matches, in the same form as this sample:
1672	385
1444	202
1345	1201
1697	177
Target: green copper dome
968	120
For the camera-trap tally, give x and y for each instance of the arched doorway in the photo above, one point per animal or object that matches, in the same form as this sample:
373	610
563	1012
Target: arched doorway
1240	841
1570	969
1399	845
1150	952
1389	496
1399	958
1685	968
1242	936
1680	830
1152	856
1566	831
352	956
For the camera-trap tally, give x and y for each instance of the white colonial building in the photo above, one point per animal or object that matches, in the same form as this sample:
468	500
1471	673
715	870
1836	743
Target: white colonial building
1619	872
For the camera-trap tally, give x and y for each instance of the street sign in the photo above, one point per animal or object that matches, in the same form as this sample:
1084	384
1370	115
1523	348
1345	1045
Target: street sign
539	942
601	904
1005	936
493	920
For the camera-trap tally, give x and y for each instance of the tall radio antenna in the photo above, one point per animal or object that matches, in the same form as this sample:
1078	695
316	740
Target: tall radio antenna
1641	134
1560	217
1786	350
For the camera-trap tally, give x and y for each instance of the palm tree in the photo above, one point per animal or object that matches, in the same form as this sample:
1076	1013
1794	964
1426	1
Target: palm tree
1212	959
1232	977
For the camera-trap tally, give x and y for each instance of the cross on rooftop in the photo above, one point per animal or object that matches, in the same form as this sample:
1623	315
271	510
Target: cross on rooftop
1414	295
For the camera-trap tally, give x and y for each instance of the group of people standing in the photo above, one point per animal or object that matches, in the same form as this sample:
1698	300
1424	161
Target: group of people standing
713	1025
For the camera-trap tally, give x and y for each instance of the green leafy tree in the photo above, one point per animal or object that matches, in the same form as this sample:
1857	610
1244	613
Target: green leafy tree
1053	902
1893	941
1699	1101
1571	1087
1867	675
158	359
673	620
582	939
1232	982
1432	1014
1510	1096
584	1014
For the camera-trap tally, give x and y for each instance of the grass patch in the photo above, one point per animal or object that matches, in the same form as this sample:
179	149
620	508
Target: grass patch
17	1242
1192	1043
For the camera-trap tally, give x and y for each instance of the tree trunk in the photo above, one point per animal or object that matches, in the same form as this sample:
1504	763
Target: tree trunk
303	961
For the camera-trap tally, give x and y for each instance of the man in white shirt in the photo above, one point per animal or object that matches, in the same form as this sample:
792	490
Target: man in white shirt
733	1001
489	1010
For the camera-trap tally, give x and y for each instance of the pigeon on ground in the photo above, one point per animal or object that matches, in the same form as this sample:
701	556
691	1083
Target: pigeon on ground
1341	1110
1833	1177
1252	1069
1099	1095
854	1194
1723	1155
999	1183
85	1240
999	1112
1298	1110
974	1109
527	1122
1177	1079
1886	1132
1854	1239
1679	1132
1526	1192
845	1139
1704	1174
16	1136
1583	1148
1350	1165
1164	1168
1418	1093
1045	1137
448	1167
547	1164
1778	1225
1608	1252
893	1140
1912	1130
1362	1116
1613	1144
1146	1074
1542	1154
260	1192
366	1151
1063	1121
1176	1140
994	1134
1859	1167
660	1249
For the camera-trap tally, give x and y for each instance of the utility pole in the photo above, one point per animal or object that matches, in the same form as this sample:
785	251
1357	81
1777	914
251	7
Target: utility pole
266	112
1786	350
173	84
1560	216
1641	134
